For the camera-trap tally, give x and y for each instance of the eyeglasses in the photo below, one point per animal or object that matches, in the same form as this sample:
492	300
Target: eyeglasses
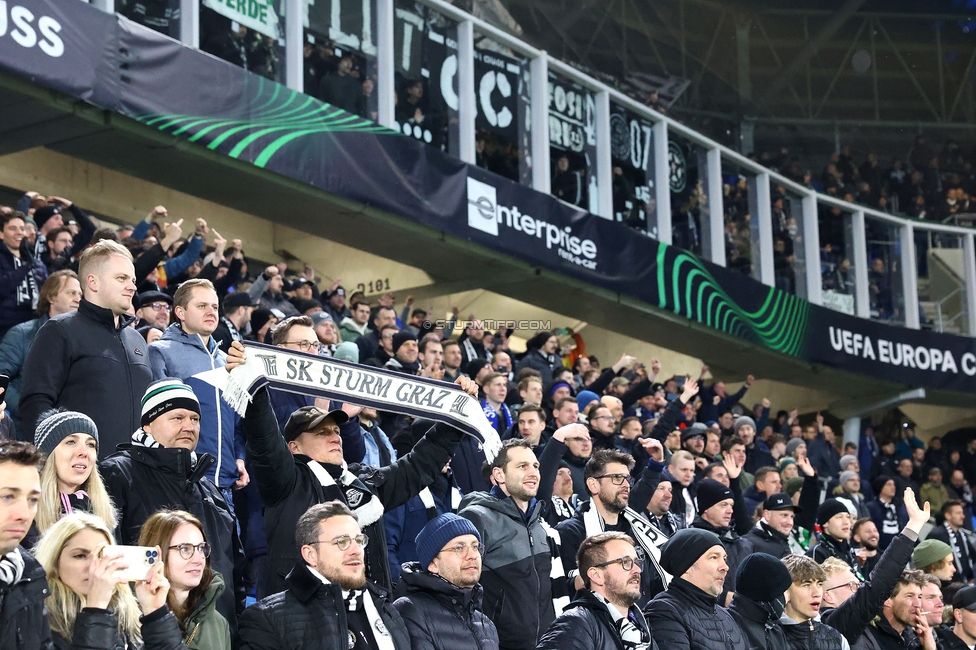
616	479
462	549
187	550
603	417
305	346
159	306
343	542
389	335
853	585
626	563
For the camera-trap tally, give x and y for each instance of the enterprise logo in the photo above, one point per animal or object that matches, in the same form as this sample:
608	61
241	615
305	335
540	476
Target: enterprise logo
482	202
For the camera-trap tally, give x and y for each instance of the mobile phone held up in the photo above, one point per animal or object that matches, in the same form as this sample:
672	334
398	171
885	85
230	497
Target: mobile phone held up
139	560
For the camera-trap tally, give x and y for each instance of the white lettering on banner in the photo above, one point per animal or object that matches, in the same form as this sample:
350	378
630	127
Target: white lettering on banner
485	214
258	15
895	353
24	34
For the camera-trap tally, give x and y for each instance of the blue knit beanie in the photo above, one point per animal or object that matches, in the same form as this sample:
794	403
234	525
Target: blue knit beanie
54	426
438	532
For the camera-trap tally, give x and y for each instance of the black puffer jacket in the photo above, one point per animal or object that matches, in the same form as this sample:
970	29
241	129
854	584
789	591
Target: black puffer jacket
764	539
686	618
812	635
586	624
288	488
98	629
311	615
758	623
441	616
142	480
23	616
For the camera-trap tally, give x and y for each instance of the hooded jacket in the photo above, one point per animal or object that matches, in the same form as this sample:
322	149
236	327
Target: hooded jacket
142	480
442	616
205	628
350	329
13	353
587	624
84	362
812	635
184	356
516	567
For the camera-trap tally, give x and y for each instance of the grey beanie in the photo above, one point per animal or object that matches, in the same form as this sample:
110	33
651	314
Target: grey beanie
846	476
846	460
793	444
741	420
55	425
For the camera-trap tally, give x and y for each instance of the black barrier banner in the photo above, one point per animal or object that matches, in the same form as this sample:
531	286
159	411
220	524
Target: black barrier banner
249	118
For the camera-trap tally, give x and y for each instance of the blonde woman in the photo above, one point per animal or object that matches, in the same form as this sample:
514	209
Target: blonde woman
194	586
90	605
70	481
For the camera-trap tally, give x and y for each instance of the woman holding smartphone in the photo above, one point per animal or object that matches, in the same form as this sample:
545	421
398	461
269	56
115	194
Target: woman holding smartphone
91	605
70	481
194	586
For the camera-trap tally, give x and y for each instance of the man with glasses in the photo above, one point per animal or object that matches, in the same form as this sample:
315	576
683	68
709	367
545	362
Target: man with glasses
441	602
327	603
186	349
604	614
602	428
608	482
153	308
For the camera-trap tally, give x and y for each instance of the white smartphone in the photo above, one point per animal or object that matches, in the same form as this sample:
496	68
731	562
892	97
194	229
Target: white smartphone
140	559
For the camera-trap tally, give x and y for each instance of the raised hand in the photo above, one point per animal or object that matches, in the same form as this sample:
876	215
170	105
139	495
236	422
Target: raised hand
574	430
103	576
804	464
917	517
467	385
689	390
152	592
732	467
235	356
653	447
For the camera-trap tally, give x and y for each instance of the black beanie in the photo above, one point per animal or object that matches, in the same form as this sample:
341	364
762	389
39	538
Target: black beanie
711	492
685	547
400	338
762	578
828	509
879	482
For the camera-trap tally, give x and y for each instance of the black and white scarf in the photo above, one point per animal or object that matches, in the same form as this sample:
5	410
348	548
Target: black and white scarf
309	374
351	491
142	438
12	567
427	498
361	599
960	553
471	354
649	539
631	626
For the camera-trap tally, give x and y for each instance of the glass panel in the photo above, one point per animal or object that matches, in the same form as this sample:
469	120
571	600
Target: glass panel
688	179
632	160
738	220
572	143
162	16
941	281
252	38
885	289
789	256
340	54
837	258
426	65
503	142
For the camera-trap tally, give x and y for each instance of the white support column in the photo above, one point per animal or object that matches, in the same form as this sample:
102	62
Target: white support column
604	170
811	248
764	212
862	303
190	23
539	93
662	184
969	267
909	275
852	431
467	102
294	46
108	6
716	211
384	62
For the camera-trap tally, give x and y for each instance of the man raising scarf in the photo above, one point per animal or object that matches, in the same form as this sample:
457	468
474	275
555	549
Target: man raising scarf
305	466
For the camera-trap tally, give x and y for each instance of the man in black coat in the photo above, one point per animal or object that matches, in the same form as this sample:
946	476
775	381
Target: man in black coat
90	360
441	598
305	467
604	615
758	602
835	521
716	506
23	585
160	469
771	534
327	603
687	616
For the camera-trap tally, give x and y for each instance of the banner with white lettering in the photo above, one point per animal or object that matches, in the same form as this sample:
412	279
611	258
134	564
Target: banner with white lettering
258	15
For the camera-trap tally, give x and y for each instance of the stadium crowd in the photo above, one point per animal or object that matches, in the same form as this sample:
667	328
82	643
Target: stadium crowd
626	510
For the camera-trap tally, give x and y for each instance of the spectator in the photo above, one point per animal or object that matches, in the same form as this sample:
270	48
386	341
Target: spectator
472	342
23	587
90	360
935	558
452	362
716	400
235	324
157	470
952	533
57	254
659	512
314	611
262	320
849	490
716	505
681	473
517	557
336	305
758	602
267	292
541	355
186	350
958	488
354	325
21	274
900	624
194	587
442	597
153	308
369	343
687	615
604	615
495	389
567	184
934	491
834	519
864	540
305	467
963	619
768	482
801	622
908	444
404	353
822	450
90	602
326	332
60	294
771	534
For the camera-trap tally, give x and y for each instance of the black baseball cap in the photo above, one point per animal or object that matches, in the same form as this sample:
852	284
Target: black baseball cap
780	501
308	418
149	297
965	598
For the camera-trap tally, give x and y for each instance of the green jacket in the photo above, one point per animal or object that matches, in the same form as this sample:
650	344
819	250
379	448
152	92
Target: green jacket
348	331
205	628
